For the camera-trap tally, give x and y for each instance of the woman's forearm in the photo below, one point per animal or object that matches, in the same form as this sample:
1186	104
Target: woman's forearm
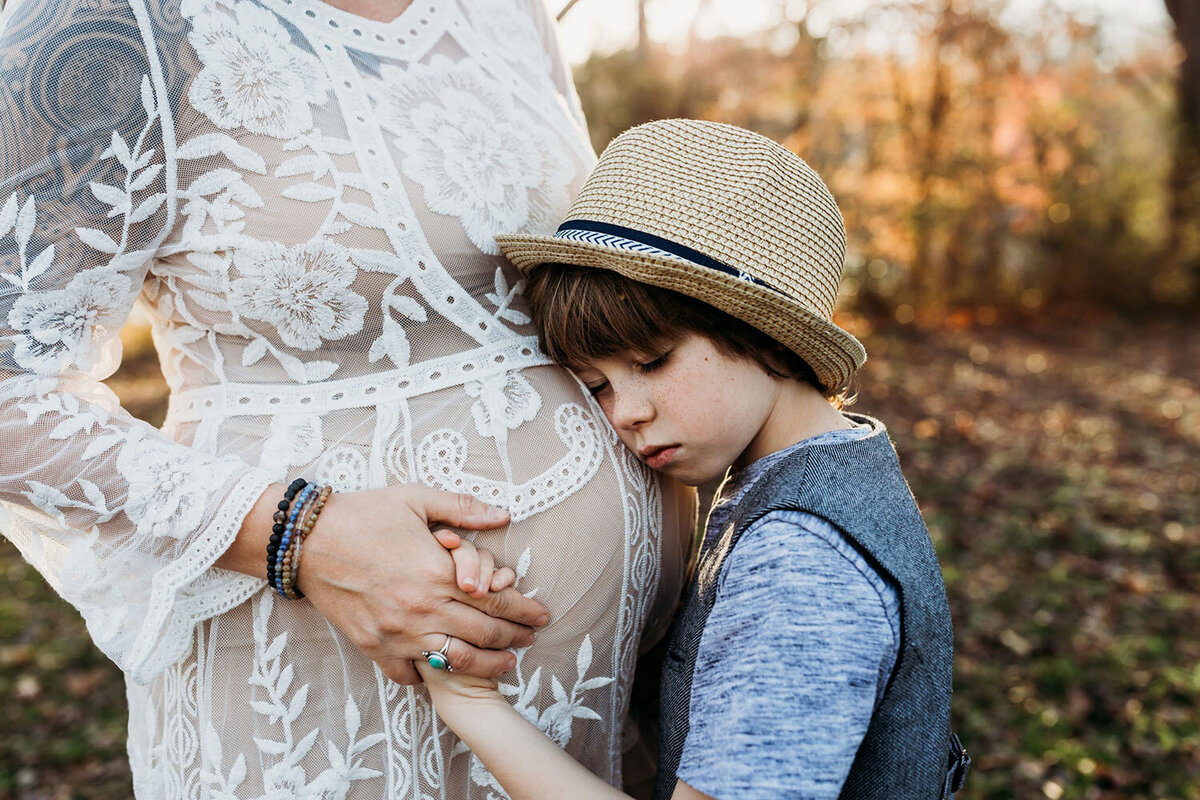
248	553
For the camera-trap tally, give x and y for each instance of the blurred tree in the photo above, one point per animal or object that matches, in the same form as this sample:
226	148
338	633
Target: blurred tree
643	40
1184	245
979	160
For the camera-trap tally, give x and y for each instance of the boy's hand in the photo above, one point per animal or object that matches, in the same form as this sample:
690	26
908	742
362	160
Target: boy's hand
475	569
456	695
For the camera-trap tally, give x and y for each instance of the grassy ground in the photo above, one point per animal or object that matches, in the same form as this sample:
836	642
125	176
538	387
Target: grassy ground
1056	464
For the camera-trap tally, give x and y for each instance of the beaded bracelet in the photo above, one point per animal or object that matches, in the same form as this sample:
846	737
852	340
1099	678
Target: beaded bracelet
286	537
288	549
281	517
277	530
291	566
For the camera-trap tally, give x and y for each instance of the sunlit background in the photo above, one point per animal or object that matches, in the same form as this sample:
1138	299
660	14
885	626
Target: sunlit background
603	26
1021	187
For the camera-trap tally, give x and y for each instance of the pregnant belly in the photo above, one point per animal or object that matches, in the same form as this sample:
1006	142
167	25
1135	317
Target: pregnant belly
525	439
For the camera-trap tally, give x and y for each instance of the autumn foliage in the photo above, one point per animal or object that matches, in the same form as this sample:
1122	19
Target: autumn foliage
978	159
1024	270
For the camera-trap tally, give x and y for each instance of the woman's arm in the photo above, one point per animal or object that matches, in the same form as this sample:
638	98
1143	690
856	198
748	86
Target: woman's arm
124	522
121	520
371	567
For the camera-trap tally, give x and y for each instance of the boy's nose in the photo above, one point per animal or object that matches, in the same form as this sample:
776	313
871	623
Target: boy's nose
630	410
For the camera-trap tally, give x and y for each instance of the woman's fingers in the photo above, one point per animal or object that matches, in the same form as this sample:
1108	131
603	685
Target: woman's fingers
459	510
511	605
466	659
477	628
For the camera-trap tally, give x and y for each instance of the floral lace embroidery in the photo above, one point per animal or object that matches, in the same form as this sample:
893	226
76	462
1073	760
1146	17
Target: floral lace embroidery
295	439
57	325
516	37
254	76
479	156
286	779
504	402
442	459
167	496
343	468
304	291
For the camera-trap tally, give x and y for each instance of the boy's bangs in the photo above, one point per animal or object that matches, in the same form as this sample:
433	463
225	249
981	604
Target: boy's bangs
583	314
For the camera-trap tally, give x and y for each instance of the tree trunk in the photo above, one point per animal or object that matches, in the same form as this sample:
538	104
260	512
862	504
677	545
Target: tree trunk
643	40
928	268
1183	247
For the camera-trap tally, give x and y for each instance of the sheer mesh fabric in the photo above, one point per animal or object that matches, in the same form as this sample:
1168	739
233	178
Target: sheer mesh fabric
303	202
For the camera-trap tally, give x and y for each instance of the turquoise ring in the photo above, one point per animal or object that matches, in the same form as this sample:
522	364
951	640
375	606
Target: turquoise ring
440	659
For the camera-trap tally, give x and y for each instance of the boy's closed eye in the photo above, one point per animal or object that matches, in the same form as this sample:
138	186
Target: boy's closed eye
648	365
642	363
597	388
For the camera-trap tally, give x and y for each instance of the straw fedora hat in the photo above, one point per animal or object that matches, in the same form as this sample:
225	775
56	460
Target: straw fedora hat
721	214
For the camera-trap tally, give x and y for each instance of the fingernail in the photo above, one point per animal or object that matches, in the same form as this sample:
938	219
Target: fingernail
512	663
494	512
542	621
468	584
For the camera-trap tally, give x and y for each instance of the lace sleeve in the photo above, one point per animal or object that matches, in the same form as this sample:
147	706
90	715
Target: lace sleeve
123	522
560	68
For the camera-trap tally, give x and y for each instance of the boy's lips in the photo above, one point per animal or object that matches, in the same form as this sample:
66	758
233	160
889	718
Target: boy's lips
658	457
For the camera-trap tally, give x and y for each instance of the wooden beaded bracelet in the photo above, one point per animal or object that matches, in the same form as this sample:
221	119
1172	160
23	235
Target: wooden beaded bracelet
292	565
289	528
287	547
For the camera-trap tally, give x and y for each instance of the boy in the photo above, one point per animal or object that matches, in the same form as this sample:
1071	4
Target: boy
691	288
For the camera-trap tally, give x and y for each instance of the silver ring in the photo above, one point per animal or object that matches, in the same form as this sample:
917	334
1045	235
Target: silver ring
440	659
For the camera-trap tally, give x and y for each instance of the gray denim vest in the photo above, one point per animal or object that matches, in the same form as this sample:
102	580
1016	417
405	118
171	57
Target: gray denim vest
858	487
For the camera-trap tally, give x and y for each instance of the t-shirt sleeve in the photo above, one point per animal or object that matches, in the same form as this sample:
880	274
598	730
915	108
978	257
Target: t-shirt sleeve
801	639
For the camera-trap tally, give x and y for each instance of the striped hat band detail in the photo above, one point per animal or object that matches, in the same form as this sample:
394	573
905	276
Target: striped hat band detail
621	238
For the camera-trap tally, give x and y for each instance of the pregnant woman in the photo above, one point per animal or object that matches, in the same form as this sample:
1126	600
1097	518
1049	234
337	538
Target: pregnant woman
303	196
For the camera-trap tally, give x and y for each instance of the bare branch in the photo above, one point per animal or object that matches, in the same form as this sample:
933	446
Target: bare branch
565	9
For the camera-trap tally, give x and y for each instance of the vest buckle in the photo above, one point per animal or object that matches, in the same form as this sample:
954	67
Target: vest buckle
957	765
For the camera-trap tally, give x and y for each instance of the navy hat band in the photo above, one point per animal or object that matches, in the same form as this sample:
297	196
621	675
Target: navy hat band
620	237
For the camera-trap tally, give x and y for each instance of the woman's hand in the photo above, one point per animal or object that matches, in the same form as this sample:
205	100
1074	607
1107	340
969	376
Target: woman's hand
371	567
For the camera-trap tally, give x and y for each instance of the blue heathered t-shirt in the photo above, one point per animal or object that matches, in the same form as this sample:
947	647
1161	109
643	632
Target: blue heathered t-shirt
794	658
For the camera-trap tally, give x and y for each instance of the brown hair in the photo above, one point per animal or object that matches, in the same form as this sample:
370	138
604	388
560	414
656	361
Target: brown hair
583	314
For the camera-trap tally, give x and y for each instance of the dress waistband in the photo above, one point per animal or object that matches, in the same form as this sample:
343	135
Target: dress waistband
255	399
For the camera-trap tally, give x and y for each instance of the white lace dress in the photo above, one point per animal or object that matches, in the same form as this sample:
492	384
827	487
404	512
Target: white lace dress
304	202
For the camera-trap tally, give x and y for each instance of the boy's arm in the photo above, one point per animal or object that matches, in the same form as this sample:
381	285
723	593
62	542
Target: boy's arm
790	664
523	759
526	762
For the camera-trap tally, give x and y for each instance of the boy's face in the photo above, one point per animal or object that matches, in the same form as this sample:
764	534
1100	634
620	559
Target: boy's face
688	410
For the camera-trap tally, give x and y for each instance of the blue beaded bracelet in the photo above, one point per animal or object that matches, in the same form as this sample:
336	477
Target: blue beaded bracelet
297	507
280	517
